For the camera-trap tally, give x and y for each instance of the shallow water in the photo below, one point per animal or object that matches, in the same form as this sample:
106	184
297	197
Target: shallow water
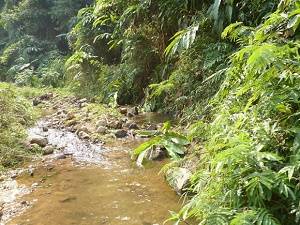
96	186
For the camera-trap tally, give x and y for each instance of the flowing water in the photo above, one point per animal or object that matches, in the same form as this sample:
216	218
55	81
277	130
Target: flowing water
95	186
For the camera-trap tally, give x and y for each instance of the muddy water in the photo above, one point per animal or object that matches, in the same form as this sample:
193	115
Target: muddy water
95	186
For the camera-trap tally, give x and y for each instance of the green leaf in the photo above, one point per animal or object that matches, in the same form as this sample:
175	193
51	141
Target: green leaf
294	23
148	144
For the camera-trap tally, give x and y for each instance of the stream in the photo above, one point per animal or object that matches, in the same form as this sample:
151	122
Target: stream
84	183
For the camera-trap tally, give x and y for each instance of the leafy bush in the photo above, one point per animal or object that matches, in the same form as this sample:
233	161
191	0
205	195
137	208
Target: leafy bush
16	114
248	173
174	143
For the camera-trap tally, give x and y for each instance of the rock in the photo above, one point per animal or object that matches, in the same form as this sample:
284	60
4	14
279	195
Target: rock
36	102
156	153
35	185
70	116
123	110
178	178
83	100
84	129
101	122
60	156
151	127
133	126
31	171
14	176
39	140
121	134
82	105
71	123
48	150
115	125
132	111
101	130
45	129
24	203
83	135
46	96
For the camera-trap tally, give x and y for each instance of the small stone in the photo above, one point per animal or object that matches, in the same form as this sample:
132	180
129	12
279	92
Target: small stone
24	203
48	150
121	134
71	123
70	116
133	126
133	112
123	110
101	130
45	129
115	125
102	122
151	127
14	176
83	100
34	185
83	135
31	171
60	156
36	102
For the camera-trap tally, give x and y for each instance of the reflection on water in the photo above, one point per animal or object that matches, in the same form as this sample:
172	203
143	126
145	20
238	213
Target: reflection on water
92	195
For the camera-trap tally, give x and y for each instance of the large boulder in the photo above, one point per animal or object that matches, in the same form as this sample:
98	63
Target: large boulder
178	178
39	140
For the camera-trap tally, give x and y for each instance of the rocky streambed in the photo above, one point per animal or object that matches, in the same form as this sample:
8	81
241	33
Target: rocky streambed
84	174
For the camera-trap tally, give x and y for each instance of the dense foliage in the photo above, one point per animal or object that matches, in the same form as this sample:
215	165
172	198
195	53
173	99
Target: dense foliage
230	68
16	115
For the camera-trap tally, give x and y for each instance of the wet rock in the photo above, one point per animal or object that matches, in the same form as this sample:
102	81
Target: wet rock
101	130
14	176
26	203
39	140
121	134
123	110
48	150
31	171
133	112
133	126
178	178
151	127
35	185
45	129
